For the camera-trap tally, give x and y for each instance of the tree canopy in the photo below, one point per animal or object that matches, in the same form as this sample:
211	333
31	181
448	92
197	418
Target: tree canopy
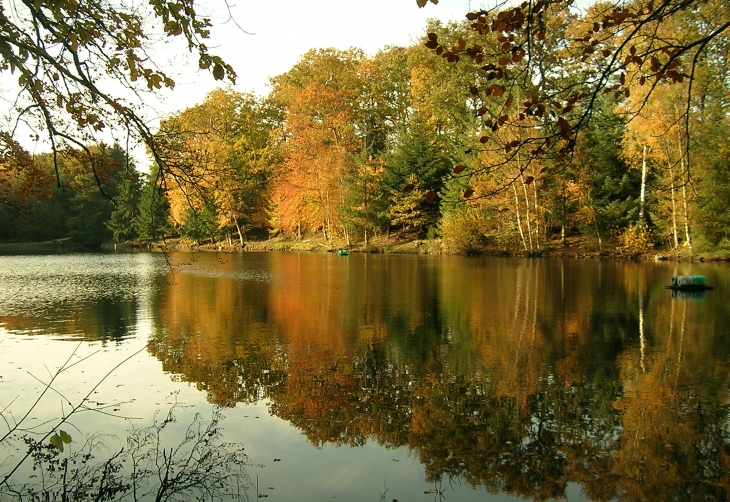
547	63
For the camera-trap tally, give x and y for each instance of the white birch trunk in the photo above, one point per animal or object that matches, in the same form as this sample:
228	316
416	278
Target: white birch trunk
519	220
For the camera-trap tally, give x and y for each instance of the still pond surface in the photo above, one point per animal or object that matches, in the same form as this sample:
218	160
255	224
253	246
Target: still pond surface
371	377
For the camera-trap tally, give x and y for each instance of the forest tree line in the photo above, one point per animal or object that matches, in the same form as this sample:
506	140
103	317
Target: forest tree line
349	148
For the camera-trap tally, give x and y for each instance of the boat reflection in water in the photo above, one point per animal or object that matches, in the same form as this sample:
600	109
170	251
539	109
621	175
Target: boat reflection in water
689	287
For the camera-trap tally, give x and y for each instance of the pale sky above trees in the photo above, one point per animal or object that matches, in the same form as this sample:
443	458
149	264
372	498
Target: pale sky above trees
281	31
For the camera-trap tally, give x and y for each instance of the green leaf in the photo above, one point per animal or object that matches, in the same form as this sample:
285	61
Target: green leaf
57	442
65	437
421	3
173	28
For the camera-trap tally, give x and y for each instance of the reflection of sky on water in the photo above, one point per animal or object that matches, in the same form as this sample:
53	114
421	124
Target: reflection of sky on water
138	389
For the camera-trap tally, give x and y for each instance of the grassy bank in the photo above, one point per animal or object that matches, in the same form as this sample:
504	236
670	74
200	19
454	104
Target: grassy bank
574	248
48	247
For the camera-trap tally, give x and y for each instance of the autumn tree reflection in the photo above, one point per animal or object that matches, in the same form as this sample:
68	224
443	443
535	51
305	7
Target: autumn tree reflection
519	376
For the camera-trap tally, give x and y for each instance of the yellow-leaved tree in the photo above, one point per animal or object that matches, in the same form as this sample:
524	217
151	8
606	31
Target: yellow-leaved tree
218	156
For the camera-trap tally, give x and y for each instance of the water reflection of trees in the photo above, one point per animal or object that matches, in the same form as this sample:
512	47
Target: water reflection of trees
520	377
93	304
103	319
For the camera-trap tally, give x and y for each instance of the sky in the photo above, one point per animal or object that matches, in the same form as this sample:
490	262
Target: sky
281	31
265	38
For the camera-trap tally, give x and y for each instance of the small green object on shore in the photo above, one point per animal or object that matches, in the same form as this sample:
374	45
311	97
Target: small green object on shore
689	283
343	252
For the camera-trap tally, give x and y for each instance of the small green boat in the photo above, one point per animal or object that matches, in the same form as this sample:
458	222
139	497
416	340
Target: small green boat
343	252
689	283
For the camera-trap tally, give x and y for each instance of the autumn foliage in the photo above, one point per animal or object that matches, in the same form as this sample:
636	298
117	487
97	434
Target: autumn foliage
517	130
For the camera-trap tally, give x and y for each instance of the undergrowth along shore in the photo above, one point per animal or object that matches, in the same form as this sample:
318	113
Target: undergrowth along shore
573	249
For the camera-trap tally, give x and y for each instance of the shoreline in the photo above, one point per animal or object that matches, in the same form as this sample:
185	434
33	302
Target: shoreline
434	247
382	246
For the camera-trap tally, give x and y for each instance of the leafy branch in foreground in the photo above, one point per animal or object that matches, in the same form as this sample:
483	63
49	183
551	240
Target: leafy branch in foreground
15	427
200	467
83	67
152	464
547	65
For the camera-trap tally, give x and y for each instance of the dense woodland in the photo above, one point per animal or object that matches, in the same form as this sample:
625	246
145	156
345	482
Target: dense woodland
349	149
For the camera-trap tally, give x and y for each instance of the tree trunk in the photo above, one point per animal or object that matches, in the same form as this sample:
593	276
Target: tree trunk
519	220
642	197
563	241
688	241
537	218
674	206
527	213
240	234
598	233
684	168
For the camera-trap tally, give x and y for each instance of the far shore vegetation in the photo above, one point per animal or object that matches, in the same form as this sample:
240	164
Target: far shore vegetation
388	153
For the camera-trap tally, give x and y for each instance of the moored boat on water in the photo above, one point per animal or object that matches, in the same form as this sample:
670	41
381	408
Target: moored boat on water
689	283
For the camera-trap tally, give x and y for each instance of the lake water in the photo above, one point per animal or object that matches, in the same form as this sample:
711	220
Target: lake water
382	377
